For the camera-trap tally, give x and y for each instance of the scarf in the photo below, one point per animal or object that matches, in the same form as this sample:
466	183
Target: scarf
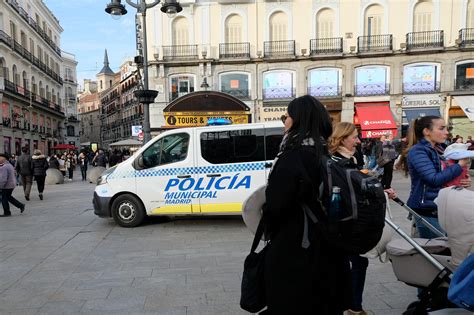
348	154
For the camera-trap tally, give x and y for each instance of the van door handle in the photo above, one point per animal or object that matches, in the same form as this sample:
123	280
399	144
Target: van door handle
213	175
268	165
184	176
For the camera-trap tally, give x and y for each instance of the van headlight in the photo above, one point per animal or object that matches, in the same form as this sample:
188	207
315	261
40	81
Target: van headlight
102	179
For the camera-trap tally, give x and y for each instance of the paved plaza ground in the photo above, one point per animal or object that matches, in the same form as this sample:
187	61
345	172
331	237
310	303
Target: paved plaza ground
59	258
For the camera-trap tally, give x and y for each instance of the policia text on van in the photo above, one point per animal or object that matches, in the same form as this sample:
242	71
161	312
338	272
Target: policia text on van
192	171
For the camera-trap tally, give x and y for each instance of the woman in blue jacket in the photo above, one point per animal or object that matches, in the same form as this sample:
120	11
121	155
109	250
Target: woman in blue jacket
426	169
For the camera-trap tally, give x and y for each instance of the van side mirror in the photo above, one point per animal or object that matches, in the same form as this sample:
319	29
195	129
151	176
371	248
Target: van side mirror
138	163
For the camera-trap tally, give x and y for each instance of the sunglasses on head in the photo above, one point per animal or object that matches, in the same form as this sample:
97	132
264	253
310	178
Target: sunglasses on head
283	118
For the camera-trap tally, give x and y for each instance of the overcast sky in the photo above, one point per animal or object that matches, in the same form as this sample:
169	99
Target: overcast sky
89	30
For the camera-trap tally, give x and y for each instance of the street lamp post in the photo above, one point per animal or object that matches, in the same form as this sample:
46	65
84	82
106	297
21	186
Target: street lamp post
145	96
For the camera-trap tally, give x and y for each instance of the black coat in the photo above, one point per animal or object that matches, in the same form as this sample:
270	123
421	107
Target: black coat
297	280
40	165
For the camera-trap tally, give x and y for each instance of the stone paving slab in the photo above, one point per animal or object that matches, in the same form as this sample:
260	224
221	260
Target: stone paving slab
59	258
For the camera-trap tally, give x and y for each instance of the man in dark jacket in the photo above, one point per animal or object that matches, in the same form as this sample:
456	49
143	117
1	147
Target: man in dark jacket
100	159
25	168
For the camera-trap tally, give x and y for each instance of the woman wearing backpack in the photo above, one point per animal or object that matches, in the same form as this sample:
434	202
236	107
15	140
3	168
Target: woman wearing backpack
316	279
427	171
344	143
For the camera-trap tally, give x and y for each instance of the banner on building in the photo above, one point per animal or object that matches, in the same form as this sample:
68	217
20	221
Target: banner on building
184	119
136	130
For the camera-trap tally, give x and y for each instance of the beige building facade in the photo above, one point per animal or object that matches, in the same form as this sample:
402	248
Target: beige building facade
404	58
31	78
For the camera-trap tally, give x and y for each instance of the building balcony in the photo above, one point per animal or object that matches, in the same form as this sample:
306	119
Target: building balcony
325	46
234	50
421	88
371	89
464	85
374	43
14	4
278	93
430	40
466	36
240	94
180	52
325	91
279	49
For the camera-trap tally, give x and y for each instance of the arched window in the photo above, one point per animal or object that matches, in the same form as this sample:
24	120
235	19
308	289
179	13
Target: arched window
236	84
233	29
15	75
3	69
53	96
373	20
278	26
423	16
34	86
180	31
41	89
325	24
470	14
70	131
25	80
372	80
279	84
465	75
324	82
419	78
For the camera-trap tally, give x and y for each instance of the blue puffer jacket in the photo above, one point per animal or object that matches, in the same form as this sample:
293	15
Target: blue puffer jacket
427	178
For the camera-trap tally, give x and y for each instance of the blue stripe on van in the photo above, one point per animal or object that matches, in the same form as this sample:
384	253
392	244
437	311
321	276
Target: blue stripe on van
210	169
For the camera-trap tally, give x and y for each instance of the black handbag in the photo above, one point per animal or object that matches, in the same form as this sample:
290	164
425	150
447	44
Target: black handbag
252	298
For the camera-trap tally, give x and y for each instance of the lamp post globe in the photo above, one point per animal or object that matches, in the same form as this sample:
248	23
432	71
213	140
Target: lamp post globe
116	9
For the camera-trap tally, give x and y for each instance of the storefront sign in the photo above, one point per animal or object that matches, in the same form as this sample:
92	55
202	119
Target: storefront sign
378	133
421	100
272	113
195	119
136	130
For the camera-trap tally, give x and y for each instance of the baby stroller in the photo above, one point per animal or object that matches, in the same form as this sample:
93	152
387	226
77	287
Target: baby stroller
425	264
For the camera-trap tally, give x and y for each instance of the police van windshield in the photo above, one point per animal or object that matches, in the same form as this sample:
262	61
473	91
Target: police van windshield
169	149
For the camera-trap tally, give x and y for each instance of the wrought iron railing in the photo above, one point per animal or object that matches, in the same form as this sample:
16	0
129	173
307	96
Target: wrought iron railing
467	37
464	84
278	93
371	89
234	50
325	46
29	56
180	52
424	40
238	93
14	4
325	91
279	48
374	43
421	87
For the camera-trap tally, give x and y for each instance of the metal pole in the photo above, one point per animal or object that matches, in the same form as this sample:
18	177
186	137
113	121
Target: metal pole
146	107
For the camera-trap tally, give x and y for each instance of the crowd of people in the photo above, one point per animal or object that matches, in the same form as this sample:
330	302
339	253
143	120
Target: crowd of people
26	169
321	279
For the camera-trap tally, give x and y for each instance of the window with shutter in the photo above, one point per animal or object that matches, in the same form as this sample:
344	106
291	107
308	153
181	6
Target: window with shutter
325	24
180	31
422	16
233	29
373	20
278	26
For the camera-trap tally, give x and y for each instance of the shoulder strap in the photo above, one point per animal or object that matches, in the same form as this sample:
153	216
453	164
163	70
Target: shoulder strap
258	236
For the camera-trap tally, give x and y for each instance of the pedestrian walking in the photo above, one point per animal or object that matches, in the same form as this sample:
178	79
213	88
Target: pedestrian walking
40	165
7	184
54	162
100	159
70	165
24	168
313	280
422	161
83	161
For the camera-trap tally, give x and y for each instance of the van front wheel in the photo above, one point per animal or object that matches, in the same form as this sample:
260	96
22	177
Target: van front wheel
128	211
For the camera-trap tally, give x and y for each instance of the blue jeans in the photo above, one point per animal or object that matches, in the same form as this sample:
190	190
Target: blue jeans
358	270
426	232
372	162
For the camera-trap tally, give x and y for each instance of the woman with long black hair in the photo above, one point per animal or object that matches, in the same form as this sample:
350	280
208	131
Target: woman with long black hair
299	280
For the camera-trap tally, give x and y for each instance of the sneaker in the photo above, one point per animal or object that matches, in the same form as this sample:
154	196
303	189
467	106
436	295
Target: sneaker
41	196
22	208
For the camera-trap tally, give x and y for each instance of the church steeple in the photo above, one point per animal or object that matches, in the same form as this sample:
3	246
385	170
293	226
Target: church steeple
106	69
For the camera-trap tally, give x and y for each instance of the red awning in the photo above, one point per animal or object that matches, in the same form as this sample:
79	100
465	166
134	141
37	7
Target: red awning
375	117
64	146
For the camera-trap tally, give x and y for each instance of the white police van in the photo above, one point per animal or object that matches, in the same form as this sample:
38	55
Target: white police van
189	171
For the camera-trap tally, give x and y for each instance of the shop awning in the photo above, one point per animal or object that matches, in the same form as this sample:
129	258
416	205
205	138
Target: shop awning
421	112
466	102
375	120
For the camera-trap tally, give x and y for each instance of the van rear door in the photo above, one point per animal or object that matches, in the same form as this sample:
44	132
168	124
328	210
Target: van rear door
231	165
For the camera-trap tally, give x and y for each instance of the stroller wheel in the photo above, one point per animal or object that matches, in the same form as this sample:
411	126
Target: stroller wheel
414	309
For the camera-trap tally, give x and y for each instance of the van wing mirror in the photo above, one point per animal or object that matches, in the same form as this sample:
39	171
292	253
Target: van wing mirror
139	162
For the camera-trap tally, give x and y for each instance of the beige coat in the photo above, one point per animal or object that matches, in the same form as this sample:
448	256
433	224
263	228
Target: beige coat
456	217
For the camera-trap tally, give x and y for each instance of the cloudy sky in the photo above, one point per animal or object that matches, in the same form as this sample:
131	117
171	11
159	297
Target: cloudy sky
89	30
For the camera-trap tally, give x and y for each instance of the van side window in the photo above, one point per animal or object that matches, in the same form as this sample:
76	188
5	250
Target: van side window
170	149
233	146
273	137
